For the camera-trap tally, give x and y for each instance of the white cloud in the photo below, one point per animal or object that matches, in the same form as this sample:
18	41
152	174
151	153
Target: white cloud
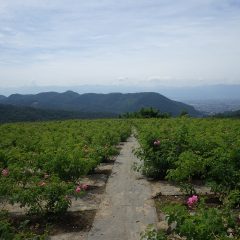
77	42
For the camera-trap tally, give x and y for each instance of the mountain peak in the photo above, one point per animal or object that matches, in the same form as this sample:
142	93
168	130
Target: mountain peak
70	92
2	97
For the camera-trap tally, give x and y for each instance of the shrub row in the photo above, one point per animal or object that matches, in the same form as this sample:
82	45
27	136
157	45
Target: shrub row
41	163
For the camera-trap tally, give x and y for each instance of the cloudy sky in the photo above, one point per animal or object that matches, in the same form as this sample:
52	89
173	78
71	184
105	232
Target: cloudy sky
78	42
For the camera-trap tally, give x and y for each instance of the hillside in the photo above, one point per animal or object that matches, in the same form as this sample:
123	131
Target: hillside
2	97
112	103
10	113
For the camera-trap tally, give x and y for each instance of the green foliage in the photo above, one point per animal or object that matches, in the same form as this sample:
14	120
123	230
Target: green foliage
183	113
145	113
203	223
189	149
232	114
13	113
157	159
183	150
188	189
6	230
41	164
9	231
232	199
152	234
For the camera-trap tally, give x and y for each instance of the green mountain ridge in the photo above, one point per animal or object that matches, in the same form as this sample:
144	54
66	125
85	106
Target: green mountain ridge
116	103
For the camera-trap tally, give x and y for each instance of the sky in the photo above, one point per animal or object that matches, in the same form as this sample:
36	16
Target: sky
112	42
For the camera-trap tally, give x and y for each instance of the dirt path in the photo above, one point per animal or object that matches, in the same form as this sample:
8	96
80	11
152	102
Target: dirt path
127	207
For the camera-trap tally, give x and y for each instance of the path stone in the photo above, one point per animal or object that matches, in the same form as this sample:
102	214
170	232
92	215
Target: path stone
13	209
167	189
104	168
88	202
127	207
70	236
95	180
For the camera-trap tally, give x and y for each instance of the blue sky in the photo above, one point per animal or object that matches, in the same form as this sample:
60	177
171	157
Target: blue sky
110	42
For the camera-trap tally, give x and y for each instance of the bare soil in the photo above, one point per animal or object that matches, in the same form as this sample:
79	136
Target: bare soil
69	222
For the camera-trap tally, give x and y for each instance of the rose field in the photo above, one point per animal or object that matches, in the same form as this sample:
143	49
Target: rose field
193	153
44	167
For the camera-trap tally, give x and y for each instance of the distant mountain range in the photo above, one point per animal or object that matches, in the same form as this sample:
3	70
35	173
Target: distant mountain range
179	93
113	103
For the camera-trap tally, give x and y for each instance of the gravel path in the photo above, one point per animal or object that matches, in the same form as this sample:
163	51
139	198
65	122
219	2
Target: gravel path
127	207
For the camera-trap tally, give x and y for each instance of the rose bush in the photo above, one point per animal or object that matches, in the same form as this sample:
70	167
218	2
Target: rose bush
41	163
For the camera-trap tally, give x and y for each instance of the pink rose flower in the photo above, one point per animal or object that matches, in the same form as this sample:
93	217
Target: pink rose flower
5	172
78	189
195	198
192	200
156	143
